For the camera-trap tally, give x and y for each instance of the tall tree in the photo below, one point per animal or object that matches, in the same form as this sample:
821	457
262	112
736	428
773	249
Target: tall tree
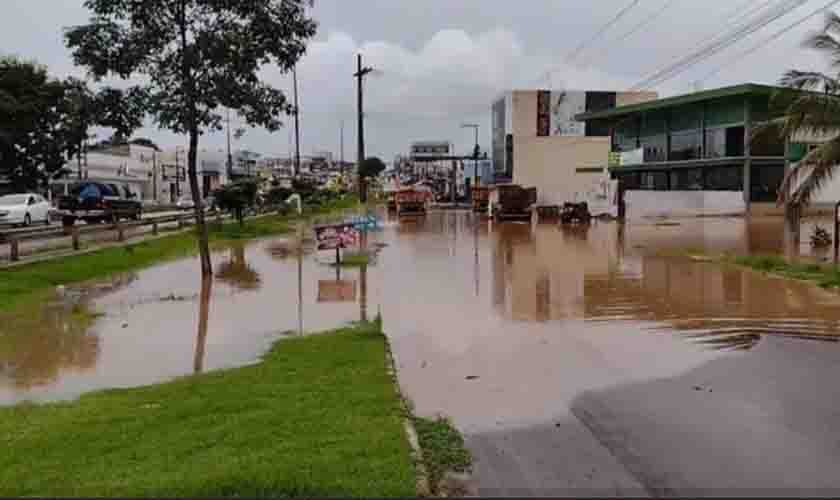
197	56
812	116
34	134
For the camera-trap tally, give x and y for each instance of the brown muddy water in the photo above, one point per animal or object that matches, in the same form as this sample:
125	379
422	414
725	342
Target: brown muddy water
476	312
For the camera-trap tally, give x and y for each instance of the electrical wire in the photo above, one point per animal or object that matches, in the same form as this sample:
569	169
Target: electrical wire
769	39
719	44
635	29
582	46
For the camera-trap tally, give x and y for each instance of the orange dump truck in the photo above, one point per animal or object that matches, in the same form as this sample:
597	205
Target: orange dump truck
413	200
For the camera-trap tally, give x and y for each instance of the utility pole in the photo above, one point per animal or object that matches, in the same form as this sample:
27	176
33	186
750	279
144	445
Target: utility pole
475	127
229	157
360	76
342	146
297	122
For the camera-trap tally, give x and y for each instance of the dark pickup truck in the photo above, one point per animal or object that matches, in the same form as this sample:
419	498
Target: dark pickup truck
95	202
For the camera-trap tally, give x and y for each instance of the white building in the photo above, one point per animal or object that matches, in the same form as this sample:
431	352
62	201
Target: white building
150	175
128	166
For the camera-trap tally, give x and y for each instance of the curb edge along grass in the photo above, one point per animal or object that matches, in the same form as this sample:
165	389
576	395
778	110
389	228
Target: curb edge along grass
425	488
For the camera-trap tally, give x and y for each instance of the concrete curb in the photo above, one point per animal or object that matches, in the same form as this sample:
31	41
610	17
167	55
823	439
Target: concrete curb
423	489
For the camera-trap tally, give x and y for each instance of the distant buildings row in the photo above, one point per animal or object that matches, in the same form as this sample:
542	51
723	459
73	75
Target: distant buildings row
161	176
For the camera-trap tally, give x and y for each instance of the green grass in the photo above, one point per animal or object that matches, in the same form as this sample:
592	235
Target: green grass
824	276
356	260
443	449
319	416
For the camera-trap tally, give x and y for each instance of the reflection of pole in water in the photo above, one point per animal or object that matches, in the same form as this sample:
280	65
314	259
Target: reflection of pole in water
203	314
476	269
300	277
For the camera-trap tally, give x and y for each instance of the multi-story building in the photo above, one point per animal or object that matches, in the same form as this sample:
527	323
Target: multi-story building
128	166
697	153
538	141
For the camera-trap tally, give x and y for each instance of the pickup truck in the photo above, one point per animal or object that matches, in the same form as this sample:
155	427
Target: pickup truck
95	202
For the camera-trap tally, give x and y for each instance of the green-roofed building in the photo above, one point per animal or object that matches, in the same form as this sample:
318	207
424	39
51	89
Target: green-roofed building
698	147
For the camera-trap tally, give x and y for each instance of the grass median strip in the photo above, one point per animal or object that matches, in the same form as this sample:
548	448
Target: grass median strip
443	448
318	416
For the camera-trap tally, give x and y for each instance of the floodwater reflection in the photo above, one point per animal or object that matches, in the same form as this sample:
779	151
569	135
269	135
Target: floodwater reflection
203	317
237	272
452	287
610	272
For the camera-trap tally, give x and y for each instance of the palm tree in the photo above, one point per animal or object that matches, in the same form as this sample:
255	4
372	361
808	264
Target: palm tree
812	116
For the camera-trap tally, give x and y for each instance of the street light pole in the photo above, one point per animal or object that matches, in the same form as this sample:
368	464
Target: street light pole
475	127
360	75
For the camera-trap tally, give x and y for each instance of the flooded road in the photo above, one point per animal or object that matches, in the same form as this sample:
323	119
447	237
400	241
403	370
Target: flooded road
576	361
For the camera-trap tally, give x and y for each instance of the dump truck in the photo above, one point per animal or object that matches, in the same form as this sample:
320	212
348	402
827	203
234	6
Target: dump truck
413	200
511	202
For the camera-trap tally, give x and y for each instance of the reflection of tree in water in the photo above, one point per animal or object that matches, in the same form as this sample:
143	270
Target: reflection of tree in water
36	349
236	271
284	249
722	308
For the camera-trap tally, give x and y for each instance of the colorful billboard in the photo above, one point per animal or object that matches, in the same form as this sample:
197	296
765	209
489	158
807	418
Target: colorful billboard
564	106
331	237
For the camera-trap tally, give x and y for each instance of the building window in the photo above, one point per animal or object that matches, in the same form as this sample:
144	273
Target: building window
765	181
725	178
687	179
654	181
767	145
686	145
655	147
725	142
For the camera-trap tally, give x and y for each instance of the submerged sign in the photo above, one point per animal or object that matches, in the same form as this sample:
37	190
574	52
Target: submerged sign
334	236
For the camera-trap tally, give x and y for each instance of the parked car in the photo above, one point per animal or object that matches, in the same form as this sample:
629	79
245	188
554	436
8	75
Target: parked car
95	202
185	202
24	209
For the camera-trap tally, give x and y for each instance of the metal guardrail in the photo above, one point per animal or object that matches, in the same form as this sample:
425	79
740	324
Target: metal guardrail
15	237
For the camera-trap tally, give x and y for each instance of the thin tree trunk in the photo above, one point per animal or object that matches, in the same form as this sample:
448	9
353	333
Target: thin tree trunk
201	226
192	127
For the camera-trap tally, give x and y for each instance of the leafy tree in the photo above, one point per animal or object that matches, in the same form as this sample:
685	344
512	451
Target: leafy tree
34	136
237	197
121	110
814	115
197	56
369	168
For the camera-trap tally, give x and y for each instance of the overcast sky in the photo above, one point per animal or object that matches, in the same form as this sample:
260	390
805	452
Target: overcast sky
441	62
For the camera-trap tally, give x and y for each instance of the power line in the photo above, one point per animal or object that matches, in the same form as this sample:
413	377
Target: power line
582	46
635	29
719	44
769	39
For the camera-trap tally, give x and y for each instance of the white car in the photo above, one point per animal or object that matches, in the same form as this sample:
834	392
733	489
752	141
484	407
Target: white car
24	209
185	203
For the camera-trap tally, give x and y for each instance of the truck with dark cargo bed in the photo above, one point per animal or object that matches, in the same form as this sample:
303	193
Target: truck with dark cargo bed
95	202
